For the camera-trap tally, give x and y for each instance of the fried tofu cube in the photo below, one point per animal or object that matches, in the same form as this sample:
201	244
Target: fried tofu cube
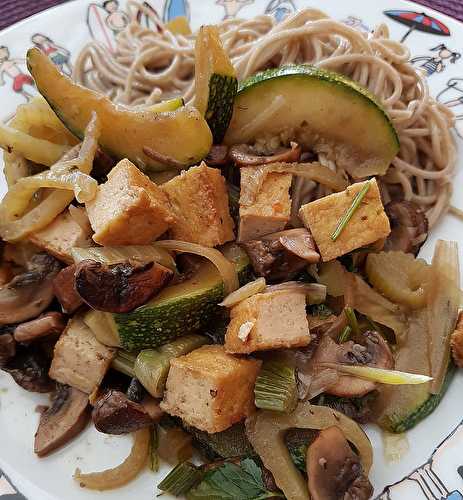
271	208
275	320
79	359
128	209
60	236
456	342
199	201
210	389
368	223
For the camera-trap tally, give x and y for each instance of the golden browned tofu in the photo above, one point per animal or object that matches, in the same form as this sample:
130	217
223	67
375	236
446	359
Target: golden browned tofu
210	389
59	237
271	209
79	359
368	224
199	202
275	320
128	209
456	342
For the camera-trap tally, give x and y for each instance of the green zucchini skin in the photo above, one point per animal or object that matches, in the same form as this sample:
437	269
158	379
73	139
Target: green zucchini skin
421	412
222	92
152	326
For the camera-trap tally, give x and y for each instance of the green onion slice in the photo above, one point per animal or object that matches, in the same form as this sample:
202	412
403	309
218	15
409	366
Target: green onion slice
352	320
276	387
181	479
345	334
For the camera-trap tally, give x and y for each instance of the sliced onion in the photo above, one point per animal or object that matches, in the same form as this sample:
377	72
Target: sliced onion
389	377
118	254
395	446
14	224
312	171
226	268
315	293
242	155
128	470
244	292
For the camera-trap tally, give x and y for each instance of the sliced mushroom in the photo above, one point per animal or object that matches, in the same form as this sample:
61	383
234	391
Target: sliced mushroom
299	242
334	471
7	348
29	369
119	288
29	293
65	418
135	392
244	156
47	324
409	226
64	289
374	352
114	413
271	260
217	156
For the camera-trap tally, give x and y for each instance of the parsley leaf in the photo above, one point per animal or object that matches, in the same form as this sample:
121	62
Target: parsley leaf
233	482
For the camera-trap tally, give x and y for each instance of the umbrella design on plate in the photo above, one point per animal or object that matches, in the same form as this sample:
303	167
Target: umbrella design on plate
418	21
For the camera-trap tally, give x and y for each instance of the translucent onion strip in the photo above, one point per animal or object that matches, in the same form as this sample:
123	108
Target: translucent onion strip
244	292
128	470
226	268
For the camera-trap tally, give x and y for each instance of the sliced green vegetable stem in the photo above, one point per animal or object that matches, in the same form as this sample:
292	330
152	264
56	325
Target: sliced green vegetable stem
123	362
345	334
350	211
276	388
154	456
181	479
352	320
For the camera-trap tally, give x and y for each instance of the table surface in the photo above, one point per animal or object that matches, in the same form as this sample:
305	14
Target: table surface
12	11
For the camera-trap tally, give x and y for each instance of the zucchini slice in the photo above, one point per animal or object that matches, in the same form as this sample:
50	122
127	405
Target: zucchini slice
319	109
182	134
215	82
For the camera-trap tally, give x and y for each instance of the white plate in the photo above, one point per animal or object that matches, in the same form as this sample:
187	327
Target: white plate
51	478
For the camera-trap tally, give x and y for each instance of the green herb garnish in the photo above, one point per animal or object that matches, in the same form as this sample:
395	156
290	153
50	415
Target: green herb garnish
352	320
232	481
345	334
276	387
321	310
350	211
181	479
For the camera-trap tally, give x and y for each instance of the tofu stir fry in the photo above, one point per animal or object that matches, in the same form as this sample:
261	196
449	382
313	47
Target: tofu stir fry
231	280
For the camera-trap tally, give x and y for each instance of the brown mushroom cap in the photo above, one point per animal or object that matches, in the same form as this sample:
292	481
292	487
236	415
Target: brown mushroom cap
409	226
65	418
30	293
7	348
119	288
374	352
114	413
47	324
299	242
63	287
243	155
334	471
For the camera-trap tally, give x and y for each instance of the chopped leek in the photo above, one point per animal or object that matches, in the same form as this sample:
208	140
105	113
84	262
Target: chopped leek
389	377
345	334
115	255
153	453
352	320
244	292
181	479
276	387
103	327
152	365
123	362
350	211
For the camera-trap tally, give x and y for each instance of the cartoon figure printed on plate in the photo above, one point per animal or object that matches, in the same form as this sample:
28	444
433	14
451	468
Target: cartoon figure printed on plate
418	21
59	55
452	97
7	490
11	70
436	63
106	20
147	16
176	8
280	9
232	7
440	478
356	23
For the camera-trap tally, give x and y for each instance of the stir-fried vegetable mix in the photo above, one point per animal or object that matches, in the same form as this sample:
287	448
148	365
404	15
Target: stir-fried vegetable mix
214	309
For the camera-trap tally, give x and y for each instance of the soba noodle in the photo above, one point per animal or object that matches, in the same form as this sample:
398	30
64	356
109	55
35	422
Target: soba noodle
148	66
